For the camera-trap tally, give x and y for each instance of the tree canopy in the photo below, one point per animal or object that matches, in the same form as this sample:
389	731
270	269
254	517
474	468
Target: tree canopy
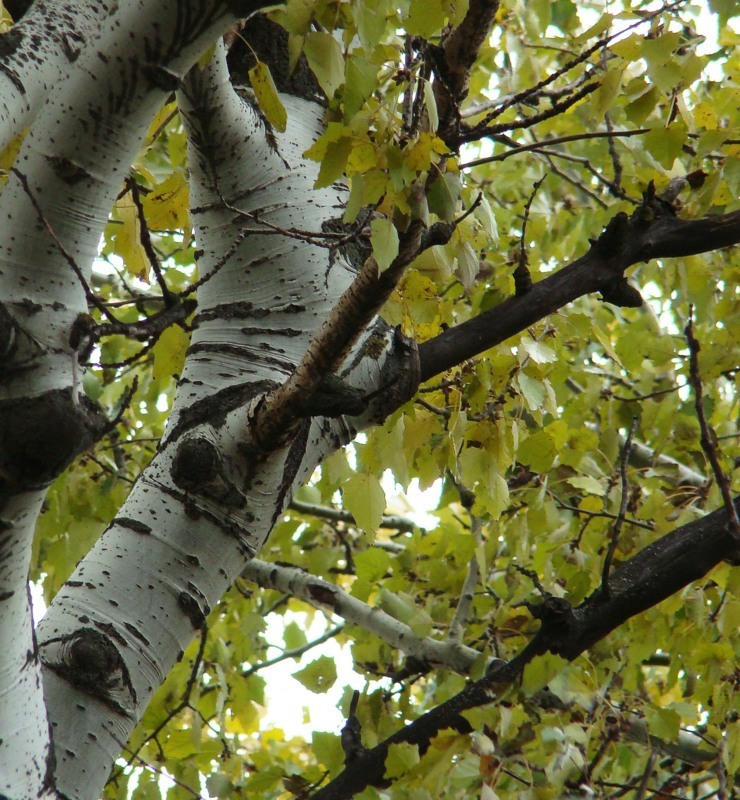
260	275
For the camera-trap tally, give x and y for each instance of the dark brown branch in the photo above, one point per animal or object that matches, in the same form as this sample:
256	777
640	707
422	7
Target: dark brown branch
661	569
454	61
625	241
477	133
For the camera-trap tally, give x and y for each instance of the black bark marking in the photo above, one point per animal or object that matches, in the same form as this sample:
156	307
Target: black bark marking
133	524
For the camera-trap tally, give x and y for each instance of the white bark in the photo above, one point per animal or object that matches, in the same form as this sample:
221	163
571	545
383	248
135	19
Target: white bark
209	499
319	593
70	168
38	53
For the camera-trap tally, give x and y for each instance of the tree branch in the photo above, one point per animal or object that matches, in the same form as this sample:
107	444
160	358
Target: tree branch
651	232
328	596
661	569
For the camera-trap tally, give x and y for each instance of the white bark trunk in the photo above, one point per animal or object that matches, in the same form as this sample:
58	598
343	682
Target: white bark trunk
209	499
52	212
38	53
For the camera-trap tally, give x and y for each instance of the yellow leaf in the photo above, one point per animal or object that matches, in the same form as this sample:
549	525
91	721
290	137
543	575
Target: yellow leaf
128	239
267	96
166	208
169	352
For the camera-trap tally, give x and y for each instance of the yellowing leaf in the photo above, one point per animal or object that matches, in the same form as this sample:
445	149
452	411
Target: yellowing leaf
364	498
267	96
127	239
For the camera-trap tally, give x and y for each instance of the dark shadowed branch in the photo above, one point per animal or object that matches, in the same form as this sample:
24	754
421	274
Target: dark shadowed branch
653	231
655	573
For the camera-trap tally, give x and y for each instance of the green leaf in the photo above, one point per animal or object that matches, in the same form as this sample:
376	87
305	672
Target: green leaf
663	723
467	264
267	96
328	750
426	17
431	105
294	636
611	83
587	484
665	144
400	759
532	390
537	451
364	498
384	239
319	676
538	352
325	57
444	196
540	671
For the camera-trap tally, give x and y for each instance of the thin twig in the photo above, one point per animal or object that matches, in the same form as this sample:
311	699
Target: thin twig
295	652
617	527
89	294
522	277
707	434
395	521
146	242
642	788
557	108
573	137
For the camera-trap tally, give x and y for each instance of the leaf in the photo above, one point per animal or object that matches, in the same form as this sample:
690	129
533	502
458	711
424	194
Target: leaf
663	723
467	264
444	196
400	759
537	451
538	352
267	96
127	239
319	676
166	208
328	750
364	498
431	105
532	390
384	239
588	484
484	214
665	144
540	671
294	635
169	352
324	54
611	83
